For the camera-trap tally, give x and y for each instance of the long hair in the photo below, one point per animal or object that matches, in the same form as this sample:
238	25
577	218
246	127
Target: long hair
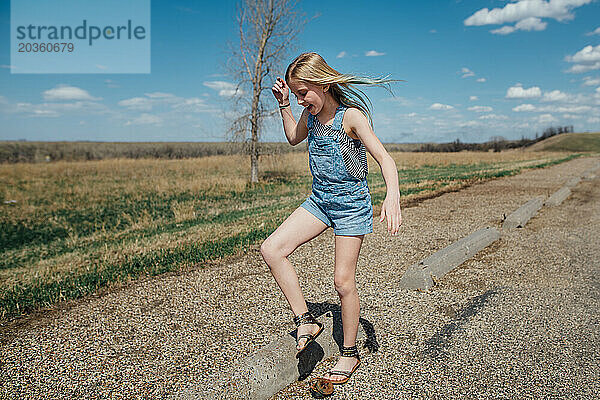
312	68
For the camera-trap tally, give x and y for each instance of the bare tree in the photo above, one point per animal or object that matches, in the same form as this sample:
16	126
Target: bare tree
267	29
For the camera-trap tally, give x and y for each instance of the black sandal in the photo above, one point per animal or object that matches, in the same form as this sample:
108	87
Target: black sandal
346	352
303	319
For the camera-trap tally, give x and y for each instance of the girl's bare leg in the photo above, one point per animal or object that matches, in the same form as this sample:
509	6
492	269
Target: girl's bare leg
300	227
347	249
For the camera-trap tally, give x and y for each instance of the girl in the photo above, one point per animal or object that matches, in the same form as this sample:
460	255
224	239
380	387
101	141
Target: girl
335	121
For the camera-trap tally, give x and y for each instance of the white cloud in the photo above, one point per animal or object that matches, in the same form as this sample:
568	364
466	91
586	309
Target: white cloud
524	9
373	53
589	81
556	109
594	32
159	95
439	106
593	120
505	30
468	124
341	54
494	116
546	119
137	103
145	119
579	68
555	95
57	109
66	92
528	24
531	24
35	110
570	116
192	104
433	31
157	99
565	109
226	89
403	101
480	108
586	55
473	98
53	109
524	107
586	59
412	114
517	92
481	80
467	72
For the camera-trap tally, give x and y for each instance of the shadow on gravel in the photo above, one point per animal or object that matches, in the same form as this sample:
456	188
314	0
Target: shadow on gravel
437	345
309	359
318	309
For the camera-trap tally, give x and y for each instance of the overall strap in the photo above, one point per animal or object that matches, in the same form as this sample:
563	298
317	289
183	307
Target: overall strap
310	122
339	116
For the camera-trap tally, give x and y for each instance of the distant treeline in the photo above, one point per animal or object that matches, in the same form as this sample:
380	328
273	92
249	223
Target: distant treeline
23	151
497	143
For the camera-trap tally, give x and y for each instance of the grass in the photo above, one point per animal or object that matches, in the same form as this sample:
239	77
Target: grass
574	142
75	228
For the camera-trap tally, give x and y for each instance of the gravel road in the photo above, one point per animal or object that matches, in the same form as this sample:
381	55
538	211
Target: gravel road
520	320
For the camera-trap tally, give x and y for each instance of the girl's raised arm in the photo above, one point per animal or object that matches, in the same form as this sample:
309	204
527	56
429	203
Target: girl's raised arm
294	132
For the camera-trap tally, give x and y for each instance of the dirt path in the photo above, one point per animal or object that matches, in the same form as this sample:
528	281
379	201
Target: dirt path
521	319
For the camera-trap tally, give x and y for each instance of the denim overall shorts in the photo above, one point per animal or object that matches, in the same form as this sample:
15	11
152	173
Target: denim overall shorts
338	198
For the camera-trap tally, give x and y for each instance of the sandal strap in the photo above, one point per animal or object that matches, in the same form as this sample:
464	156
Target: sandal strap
306	318
351	351
337	372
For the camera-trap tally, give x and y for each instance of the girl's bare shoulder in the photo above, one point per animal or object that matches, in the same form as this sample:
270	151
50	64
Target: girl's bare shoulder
352	119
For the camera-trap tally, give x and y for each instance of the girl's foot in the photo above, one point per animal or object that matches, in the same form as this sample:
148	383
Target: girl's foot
343	364
303	329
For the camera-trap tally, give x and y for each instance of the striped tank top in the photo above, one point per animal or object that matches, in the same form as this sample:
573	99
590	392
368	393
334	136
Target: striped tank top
353	151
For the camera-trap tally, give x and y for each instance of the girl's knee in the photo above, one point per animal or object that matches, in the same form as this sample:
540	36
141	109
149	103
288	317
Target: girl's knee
269	249
266	249
345	286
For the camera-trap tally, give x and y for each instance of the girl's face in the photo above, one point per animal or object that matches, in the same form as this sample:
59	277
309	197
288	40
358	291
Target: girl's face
309	95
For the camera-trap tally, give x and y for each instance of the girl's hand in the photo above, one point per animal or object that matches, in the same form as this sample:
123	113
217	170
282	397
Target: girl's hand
281	91
391	209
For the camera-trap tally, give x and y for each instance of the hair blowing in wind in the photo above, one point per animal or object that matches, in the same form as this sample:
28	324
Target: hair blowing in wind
312	68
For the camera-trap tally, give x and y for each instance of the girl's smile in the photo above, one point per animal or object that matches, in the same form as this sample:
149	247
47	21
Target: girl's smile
310	96
315	98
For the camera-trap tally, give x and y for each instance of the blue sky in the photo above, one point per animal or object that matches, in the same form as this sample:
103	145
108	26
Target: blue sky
473	70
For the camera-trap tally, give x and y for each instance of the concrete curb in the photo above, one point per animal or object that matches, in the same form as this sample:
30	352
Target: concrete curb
422	276
558	197
519	217
574	181
275	366
589	175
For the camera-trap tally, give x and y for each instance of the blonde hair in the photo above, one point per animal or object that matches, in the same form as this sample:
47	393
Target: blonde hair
312	68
